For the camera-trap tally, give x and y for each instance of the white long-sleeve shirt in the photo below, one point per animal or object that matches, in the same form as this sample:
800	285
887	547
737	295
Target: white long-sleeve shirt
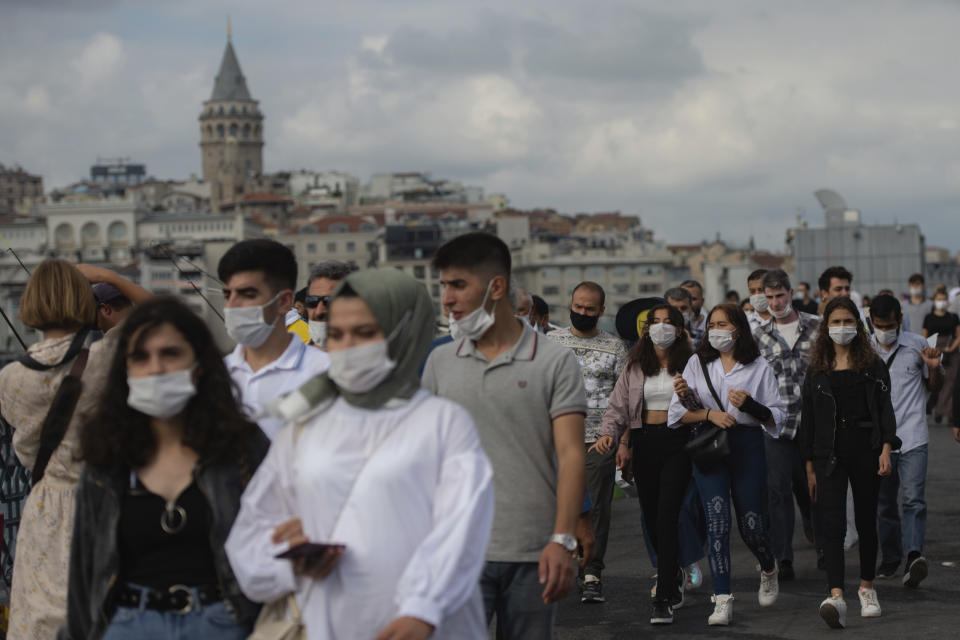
757	378
415	526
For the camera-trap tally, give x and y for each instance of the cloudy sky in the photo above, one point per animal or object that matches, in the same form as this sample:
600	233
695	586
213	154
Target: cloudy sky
701	117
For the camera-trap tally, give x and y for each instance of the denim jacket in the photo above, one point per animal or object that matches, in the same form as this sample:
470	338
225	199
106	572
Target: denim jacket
95	557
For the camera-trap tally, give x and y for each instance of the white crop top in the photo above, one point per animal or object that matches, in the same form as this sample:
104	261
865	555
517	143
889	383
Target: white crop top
658	391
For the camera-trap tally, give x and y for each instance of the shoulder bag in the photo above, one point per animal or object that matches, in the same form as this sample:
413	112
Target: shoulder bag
710	443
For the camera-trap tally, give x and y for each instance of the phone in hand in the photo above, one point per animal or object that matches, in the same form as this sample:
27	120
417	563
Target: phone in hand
309	550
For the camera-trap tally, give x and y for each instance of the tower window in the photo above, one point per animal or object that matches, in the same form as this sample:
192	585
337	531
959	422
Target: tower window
221	111
233	110
220	130
246	130
233	130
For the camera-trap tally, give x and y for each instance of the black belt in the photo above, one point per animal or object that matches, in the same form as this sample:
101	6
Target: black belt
178	598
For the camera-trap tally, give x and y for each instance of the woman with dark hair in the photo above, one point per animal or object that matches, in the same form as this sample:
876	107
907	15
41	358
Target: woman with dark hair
391	481
59	302
661	467
847	431
167	456
727	384
946	326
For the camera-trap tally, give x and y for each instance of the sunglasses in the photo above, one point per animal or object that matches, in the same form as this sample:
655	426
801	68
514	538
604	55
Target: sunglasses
311	302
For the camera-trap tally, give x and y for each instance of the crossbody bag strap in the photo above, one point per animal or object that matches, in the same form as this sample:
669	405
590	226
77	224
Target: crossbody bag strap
706	376
58	417
892	356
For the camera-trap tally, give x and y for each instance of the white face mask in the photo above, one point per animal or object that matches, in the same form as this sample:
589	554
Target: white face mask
886	338
318	331
940	305
474	324
783	314
360	369
721	339
759	302
916	291
247	325
842	335
663	335
161	396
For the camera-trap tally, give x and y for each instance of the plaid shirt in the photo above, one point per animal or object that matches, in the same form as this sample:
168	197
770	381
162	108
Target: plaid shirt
789	365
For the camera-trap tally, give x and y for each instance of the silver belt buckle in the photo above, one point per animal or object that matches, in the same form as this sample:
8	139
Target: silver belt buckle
190	599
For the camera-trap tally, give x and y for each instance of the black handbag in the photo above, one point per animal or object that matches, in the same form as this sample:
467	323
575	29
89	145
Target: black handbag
710	443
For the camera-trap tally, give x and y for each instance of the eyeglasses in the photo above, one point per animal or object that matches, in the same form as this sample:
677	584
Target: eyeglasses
311	302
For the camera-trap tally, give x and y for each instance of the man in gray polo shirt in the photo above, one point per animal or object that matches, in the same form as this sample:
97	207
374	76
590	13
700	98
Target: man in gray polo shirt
526	395
915	371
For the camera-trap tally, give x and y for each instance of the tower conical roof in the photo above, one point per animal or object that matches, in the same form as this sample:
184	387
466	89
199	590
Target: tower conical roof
230	83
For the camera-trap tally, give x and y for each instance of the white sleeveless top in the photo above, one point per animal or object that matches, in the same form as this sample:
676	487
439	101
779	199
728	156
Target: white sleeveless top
658	391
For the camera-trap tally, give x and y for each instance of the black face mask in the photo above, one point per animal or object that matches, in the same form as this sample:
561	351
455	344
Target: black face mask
582	322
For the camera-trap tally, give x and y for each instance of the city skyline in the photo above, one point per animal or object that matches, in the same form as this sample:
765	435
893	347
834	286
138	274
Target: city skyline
699	121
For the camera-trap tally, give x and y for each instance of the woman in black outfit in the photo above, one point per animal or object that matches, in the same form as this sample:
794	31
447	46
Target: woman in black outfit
636	423
847	432
946	326
167	457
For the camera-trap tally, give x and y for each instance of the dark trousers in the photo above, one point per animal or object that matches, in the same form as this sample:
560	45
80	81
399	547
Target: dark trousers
513	592
784	474
661	469
601	471
857	462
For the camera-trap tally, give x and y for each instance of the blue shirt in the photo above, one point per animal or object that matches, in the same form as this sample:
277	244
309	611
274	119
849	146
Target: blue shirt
908	390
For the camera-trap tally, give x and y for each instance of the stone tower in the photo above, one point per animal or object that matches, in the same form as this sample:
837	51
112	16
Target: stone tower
231	133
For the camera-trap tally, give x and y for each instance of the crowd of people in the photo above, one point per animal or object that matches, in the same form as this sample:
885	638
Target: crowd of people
353	470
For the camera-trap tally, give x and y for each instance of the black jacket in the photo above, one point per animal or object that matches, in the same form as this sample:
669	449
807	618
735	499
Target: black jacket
95	558
818	416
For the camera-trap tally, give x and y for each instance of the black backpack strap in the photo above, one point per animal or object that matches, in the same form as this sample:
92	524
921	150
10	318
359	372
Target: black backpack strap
76	345
58	417
706	376
892	356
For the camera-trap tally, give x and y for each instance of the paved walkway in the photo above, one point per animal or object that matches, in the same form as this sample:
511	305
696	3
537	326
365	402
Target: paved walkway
931	611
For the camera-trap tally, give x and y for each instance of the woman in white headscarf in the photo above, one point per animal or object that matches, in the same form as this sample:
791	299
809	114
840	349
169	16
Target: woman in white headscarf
372	462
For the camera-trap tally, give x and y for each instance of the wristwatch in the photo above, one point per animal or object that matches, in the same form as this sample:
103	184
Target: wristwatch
566	540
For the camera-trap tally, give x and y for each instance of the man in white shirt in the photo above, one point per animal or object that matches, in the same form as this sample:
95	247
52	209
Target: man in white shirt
915	371
268	362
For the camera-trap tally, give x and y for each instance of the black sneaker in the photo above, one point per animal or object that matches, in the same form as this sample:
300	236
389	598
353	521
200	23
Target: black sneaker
916	572
592	592
662	613
887	570
786	571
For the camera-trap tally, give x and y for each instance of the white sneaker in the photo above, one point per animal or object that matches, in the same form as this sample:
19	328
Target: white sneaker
769	587
869	605
722	610
833	610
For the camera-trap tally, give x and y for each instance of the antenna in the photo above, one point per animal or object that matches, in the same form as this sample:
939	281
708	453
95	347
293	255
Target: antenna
228	27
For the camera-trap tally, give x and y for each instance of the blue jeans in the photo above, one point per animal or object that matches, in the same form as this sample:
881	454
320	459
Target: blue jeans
909	475
743	474
783	458
512	590
211	622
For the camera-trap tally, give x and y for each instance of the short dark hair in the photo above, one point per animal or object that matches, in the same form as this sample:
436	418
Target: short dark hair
592	286
733	293
776	279
690	283
885	306
917	277
838	272
335	270
745	349
804	283
300	295
214	426
475	251
540	306
678	293
757	274
275	261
